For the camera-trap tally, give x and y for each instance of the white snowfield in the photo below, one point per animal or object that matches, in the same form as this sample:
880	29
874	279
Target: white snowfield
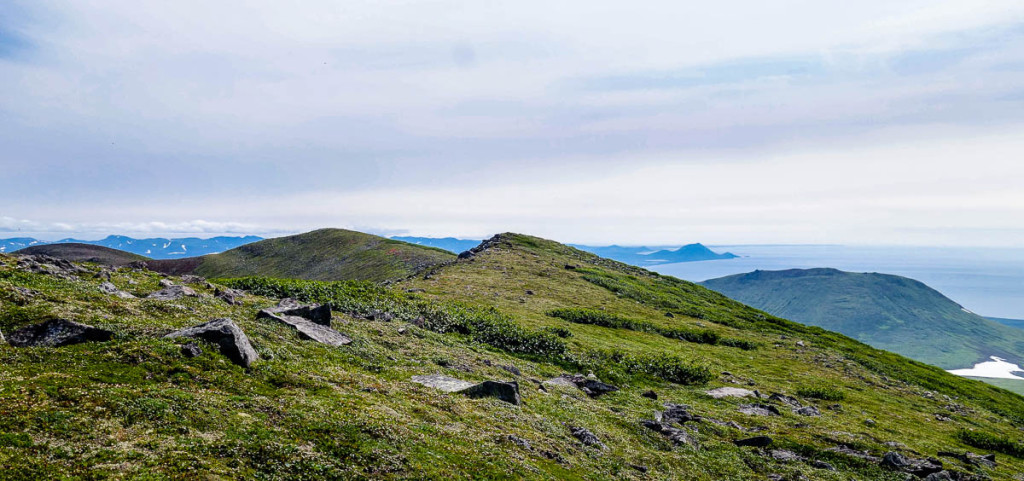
996	368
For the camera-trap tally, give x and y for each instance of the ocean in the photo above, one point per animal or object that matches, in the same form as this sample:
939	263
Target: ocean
986	281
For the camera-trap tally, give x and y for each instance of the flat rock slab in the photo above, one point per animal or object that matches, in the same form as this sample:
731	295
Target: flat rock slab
724	392
226	335
109	288
759	410
505	391
316	313
308	329
678	436
171	293
56	333
591	387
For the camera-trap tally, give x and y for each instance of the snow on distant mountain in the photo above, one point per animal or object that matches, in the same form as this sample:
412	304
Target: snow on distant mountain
155	248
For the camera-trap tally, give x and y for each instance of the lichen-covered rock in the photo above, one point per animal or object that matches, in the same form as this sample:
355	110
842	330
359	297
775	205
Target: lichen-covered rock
56	333
226	335
505	391
312	322
724	392
591	387
109	288
676	435
173	292
586	437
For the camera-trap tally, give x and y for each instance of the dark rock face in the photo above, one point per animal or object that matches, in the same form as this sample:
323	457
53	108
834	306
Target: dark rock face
191	350
172	293
676	435
228	295
466	255
504	391
226	335
677	413
592	387
586	437
756	441
56	333
312	322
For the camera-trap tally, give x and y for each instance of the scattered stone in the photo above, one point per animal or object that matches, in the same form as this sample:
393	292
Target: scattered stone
171	293
807	411
570	267
401	330
918	467
669	315
940	476
466	255
854	453
379	315
109	288
166	283
678	413
800	343
650	395
988	460
529	292
191	350
226	335
639	468
785	456
43	264
591	387
943	418
312	322
724	392
756	441
759	410
784	399
870	422
26	292
518	441
193	279
57	333
415	290
586	437
677	436
823	465
228	295
511	369
505	391
103	274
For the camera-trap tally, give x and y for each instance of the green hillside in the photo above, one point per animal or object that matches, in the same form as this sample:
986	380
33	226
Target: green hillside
889	312
84	253
521	309
325	254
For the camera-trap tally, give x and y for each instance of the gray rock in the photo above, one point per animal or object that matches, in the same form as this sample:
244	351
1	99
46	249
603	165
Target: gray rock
918	467
677	413
676	435
226	335
505	391
759	410
724	392
855	453
166	283
940	476
191	350
807	411
308	327
988	460
586	437
650	395
109	288
591	387
193	279
785	455
823	465
756	441
784	399
172	293
518	441
56	333
228	295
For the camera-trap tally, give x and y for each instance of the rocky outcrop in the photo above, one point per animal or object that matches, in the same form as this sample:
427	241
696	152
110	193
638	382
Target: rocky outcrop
586	437
56	333
43	264
590	386
918	467
724	392
226	335
172	292
312	322
109	288
228	295
504	391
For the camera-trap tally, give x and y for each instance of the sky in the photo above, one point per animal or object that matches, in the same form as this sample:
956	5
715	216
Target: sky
657	122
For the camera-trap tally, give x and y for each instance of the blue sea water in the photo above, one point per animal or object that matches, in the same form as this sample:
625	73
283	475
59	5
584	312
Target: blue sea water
987	281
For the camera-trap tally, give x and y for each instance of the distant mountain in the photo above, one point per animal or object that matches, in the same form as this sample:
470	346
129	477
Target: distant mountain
325	254
155	248
450	244
1018	323
889	312
638	256
84	253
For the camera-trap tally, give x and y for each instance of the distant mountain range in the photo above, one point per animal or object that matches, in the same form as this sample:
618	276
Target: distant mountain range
638	256
155	248
889	312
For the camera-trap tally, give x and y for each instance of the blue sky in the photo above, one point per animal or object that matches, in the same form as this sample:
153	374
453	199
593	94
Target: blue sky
601	122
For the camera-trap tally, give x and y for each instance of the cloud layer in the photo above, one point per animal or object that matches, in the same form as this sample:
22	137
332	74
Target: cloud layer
740	121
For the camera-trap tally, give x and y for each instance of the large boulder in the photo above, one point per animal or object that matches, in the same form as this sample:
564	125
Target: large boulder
172	292
590	386
504	391
224	334
312	322
56	333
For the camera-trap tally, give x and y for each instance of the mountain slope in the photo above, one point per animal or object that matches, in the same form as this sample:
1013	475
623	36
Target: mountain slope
154	248
325	254
84	253
889	312
520	308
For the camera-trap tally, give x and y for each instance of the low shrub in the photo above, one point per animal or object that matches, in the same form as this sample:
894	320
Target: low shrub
604	319
983	440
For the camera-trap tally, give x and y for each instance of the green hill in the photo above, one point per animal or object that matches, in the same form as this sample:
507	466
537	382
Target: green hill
889	312
325	254
520	308
83	253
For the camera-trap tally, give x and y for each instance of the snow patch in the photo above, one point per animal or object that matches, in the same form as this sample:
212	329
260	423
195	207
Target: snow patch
997	368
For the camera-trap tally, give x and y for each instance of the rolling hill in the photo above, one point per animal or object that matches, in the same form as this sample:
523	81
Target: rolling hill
154	248
889	312
84	253
653	353
325	254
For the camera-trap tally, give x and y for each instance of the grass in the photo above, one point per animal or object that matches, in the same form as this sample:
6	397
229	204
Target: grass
821	392
135	408
604	319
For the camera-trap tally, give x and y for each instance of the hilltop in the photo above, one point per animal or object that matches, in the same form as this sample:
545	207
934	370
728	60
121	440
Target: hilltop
325	254
889	312
653	353
84	253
